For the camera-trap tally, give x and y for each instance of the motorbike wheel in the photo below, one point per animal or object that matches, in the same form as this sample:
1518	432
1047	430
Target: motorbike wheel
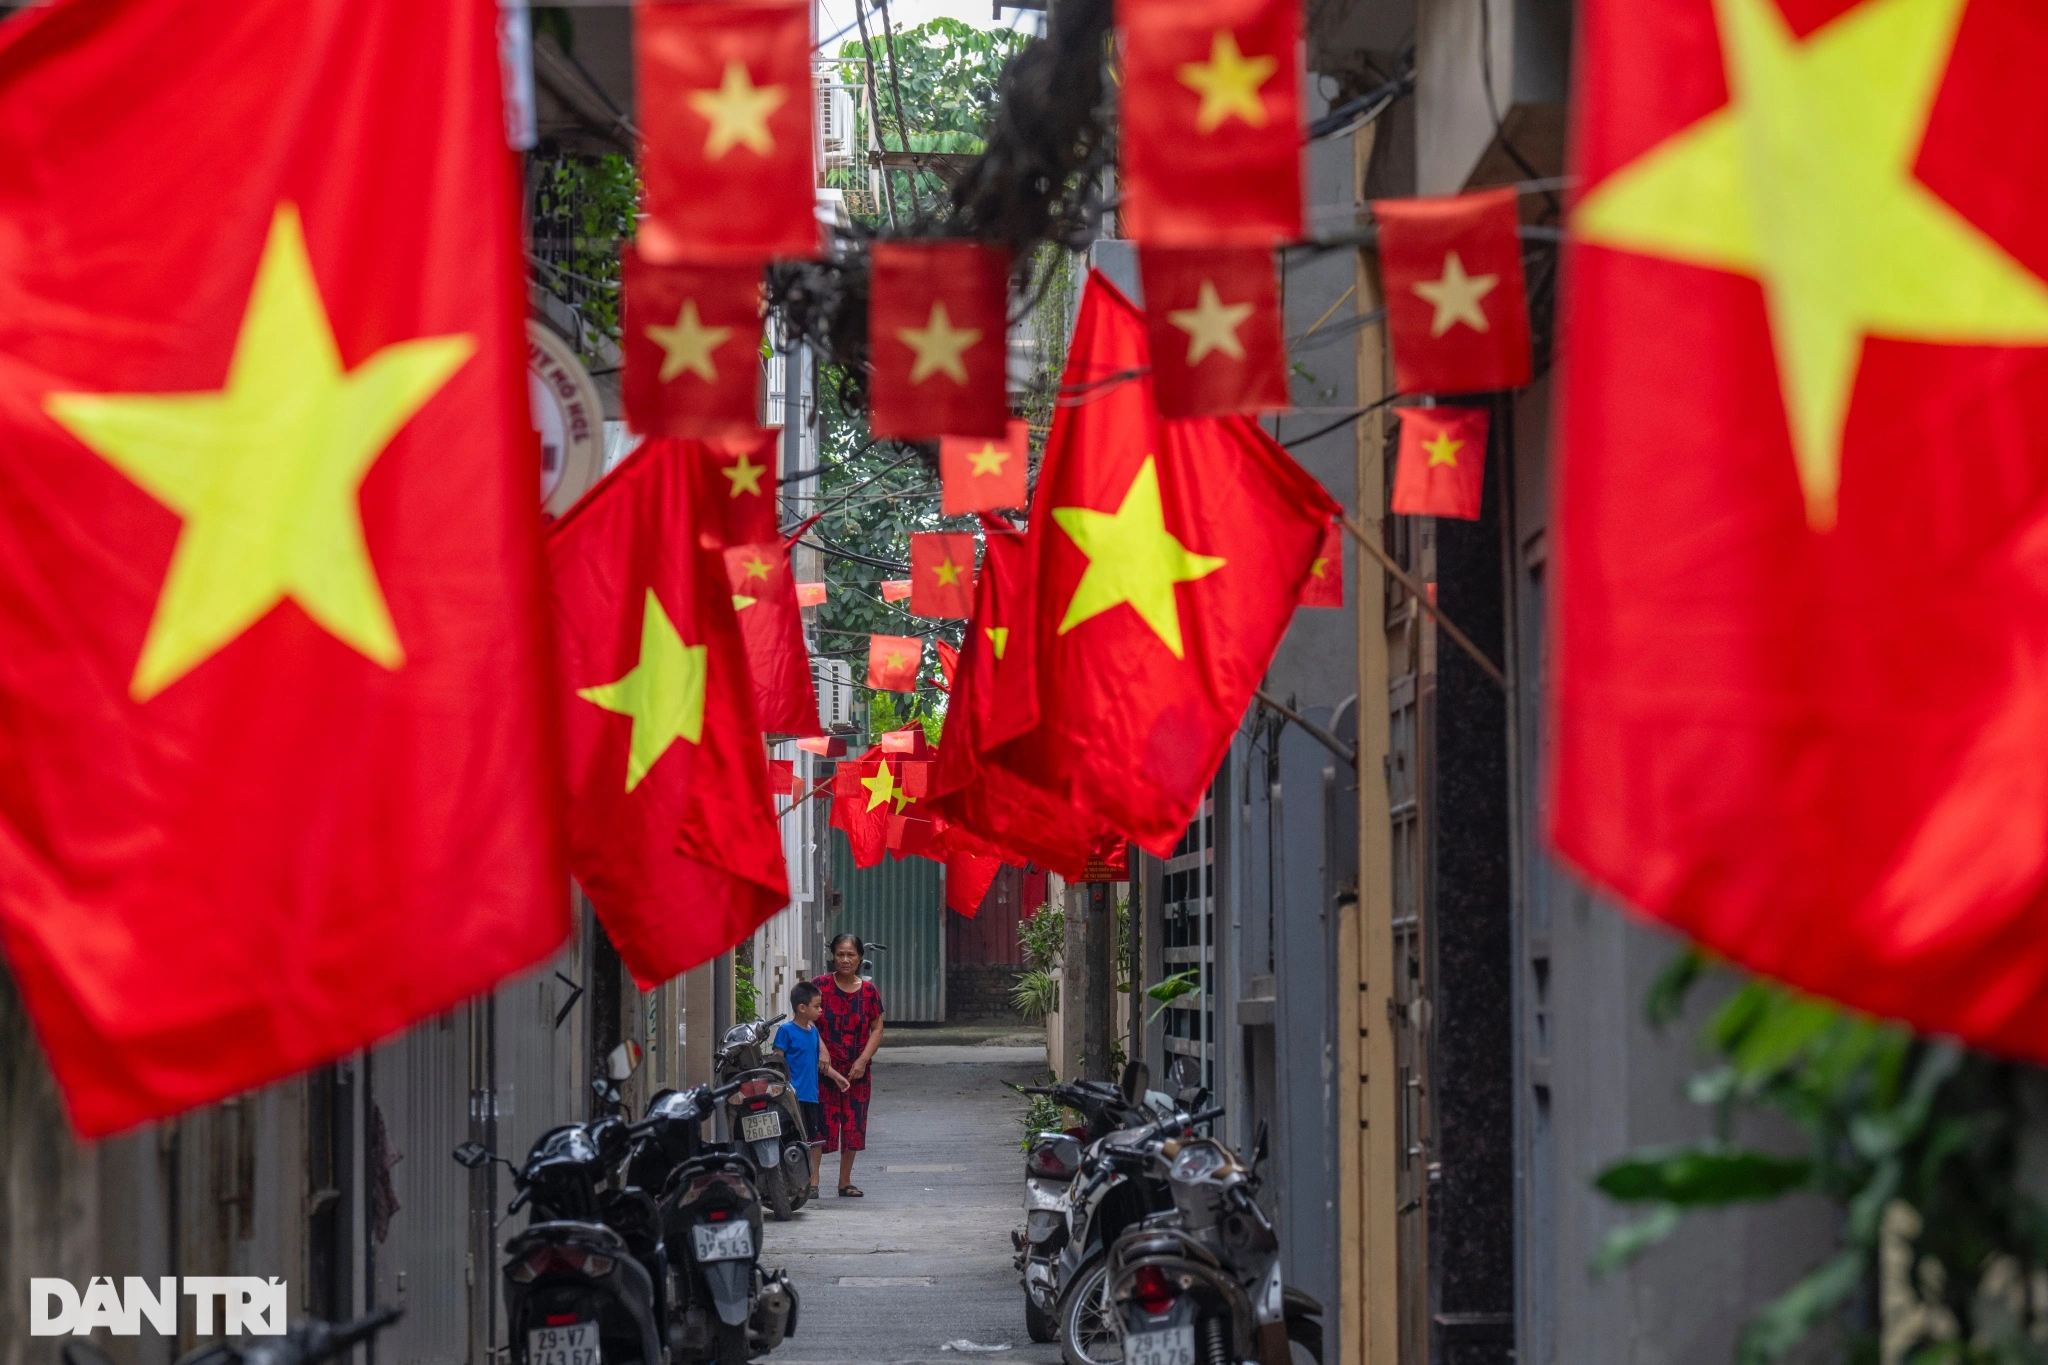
1037	1325
1306	1333
775	1193
1087	1336
731	1345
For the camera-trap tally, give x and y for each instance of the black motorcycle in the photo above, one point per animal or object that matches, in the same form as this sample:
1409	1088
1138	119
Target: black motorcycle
763	1113
307	1343
1051	1161
721	1305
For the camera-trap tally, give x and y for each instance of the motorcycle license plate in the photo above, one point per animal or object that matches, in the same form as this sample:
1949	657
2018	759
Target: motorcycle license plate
1175	1346
766	1124
735	1242
575	1344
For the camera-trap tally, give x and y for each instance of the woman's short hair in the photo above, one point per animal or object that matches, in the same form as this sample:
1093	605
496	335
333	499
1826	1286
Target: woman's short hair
854	939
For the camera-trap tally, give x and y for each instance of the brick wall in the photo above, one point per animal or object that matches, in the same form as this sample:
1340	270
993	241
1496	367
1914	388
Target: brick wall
981	990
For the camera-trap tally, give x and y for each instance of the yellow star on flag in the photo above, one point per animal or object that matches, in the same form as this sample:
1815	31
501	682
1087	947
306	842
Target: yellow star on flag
1456	296
948	573
664	693
756	567
738	111
740	601
883	788
1316	567
939	346
1132	558
266	471
1804	182
990	459
1211	325
998	638
746	478
1228	84
688	345
1443	450
894	660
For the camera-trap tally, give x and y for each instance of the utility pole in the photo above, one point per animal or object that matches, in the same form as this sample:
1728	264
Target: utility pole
1097	966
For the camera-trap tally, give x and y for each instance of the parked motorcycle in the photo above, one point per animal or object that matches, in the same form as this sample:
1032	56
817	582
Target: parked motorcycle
721	1305
764	1113
1202	1285
1051	1160
307	1343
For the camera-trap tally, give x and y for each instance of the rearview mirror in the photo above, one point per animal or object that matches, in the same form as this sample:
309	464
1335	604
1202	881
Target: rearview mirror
1137	1079
623	1061
1185	1076
1259	1146
472	1155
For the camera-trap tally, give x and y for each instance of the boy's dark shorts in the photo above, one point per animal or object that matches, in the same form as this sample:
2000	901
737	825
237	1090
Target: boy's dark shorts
814	1118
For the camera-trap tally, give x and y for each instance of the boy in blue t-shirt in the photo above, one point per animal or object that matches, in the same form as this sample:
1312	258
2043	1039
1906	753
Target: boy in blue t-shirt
797	1041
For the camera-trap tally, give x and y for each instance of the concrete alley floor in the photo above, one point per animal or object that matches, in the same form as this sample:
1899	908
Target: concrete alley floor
925	1259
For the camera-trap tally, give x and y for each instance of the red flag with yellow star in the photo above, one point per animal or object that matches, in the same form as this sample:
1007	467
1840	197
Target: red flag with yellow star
942	574
692	347
737	476
672	831
728	116
1806	410
893	661
1211	107
1457	309
1169	557
1325	585
278	761
1214	318
1440	470
771	623
866	792
938	349
979	474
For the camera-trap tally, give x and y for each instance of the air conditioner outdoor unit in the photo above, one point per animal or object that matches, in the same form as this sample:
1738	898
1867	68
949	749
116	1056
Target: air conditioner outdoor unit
835	691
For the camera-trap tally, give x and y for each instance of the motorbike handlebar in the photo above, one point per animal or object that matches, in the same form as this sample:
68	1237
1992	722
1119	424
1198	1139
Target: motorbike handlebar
346	1335
518	1201
719	1092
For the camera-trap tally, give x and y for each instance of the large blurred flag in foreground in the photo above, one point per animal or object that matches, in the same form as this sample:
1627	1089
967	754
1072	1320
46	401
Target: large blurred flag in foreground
277	768
1802	709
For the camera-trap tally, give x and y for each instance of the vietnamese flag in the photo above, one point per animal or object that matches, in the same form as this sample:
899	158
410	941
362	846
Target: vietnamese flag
949	664
895	590
1802	603
278	759
1169	558
692	345
771	624
980	474
729	119
672	830
736	476
1457	309
942	574
866	792
893	661
1214	318
1440	469
810	594
1325	585
938	339
1211	141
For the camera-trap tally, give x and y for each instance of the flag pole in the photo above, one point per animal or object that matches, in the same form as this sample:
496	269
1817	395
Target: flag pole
1372	546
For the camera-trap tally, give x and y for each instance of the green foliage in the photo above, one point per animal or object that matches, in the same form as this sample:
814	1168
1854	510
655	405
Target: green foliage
1043	938
746	995
1172	988
1035	993
1900	1132
1042	1115
583	209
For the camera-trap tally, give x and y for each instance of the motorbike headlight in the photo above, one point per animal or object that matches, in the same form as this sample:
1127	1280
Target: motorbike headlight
1199	1161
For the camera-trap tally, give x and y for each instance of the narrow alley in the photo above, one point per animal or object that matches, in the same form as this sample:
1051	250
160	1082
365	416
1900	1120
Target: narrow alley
920	1268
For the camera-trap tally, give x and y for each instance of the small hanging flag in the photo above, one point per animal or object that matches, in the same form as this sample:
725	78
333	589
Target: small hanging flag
1213	315
1442	464
736	480
949	663
1212	136
910	740
692	347
895	589
938	320
727	110
810	594
785	693
866	792
1325	585
979	474
893	661
911	836
942	574
825	746
1457	311
782	776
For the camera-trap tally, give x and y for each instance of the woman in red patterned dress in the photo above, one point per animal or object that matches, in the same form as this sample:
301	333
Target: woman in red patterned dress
851	1030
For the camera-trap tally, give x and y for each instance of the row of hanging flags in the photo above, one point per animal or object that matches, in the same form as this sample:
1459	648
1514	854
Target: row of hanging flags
303	724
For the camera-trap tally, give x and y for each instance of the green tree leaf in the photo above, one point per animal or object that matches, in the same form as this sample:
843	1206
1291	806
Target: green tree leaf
1691	1177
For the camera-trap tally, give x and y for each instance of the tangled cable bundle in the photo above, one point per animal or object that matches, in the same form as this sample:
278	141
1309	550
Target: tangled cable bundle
1039	181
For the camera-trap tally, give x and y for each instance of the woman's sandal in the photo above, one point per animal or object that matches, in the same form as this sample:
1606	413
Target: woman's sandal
851	1192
